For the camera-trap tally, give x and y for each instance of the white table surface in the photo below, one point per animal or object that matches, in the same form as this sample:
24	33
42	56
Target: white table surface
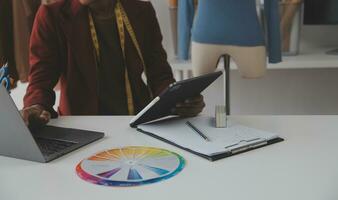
304	167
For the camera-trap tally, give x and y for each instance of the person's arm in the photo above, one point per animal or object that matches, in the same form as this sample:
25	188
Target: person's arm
271	8
44	66
159	73
186	13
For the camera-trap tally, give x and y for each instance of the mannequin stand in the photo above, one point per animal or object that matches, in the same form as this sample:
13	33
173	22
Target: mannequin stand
226	60
222	112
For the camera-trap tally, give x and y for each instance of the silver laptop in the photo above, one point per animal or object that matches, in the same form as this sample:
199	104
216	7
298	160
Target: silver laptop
42	145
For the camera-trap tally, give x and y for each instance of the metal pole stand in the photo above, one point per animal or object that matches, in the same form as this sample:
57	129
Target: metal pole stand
223	111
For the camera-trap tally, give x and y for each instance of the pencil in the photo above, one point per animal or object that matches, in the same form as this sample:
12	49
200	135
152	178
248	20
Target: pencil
197	131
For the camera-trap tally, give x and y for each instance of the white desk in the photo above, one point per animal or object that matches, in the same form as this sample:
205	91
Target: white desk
304	167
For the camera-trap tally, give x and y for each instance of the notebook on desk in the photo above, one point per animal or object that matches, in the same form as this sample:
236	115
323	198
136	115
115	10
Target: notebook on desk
223	142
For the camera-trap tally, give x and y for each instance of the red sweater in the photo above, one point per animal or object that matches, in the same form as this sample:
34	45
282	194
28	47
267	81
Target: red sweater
61	49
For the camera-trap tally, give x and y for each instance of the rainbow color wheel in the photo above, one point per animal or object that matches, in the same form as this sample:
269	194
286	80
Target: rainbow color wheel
130	166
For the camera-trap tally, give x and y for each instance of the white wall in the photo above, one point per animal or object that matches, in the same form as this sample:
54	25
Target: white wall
313	36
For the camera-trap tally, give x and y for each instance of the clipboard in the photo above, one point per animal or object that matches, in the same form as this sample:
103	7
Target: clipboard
224	142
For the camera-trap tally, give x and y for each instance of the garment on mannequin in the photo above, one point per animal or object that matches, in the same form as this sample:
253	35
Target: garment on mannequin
232	23
230	27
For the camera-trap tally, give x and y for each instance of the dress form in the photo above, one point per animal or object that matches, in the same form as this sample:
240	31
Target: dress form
232	27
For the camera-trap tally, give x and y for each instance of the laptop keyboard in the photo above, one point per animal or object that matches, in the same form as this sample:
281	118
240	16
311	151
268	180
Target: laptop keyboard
50	146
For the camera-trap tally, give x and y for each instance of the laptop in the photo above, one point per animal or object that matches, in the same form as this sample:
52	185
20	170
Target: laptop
177	92
42	145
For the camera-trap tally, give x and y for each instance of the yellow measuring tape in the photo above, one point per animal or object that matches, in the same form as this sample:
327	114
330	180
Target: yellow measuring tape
123	22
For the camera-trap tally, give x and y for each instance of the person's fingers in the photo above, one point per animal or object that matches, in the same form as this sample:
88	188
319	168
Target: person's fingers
188	105
35	116
28	113
25	116
195	100
39	120
191	105
45	116
190	108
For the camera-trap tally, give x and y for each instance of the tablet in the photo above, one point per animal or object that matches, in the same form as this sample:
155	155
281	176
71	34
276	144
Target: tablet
177	92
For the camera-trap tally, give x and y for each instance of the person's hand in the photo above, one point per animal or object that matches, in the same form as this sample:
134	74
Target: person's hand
190	107
35	116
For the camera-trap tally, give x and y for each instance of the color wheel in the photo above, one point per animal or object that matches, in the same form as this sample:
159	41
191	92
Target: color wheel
130	166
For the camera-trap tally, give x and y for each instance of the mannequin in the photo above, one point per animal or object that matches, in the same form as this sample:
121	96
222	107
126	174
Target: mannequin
289	9
232	28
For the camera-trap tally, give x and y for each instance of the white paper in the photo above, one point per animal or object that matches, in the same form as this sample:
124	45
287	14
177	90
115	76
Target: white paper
221	139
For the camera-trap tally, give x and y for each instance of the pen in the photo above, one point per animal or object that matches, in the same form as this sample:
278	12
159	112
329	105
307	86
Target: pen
197	131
